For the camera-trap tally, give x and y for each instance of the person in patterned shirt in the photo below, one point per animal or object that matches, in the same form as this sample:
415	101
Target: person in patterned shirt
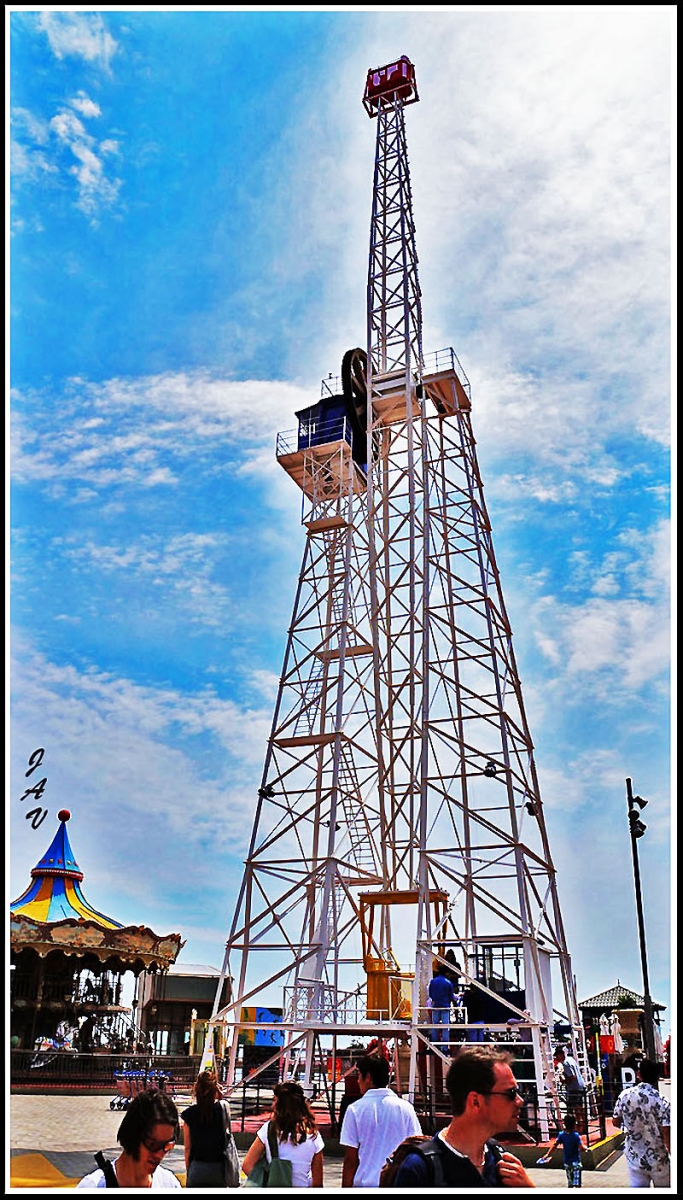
645	1118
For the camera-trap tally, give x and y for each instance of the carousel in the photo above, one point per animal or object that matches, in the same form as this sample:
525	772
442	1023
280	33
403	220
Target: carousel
68	963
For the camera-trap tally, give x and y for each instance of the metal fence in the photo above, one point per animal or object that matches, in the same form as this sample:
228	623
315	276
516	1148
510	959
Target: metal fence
59	1070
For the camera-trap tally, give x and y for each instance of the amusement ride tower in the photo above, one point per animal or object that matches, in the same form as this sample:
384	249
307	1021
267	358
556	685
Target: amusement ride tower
399	823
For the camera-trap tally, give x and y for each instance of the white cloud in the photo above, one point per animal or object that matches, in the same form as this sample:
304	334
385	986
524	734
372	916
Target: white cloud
78	35
267	683
96	190
619	638
36	129
39	146
29	166
30	160
132	431
181	567
68	127
188	762
83	104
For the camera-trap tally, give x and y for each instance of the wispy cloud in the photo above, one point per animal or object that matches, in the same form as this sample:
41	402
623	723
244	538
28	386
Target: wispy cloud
83	104
139	432
78	35
618	640
96	190
190	761
48	148
178	571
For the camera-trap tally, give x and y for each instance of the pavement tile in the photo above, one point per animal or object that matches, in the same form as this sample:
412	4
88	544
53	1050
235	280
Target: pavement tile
35	1170
53	1140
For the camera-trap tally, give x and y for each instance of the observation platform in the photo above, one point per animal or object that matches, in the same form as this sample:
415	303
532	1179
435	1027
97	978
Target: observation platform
444	383
325	454
319	458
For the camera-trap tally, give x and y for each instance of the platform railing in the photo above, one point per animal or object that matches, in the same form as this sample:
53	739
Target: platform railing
313	433
446	360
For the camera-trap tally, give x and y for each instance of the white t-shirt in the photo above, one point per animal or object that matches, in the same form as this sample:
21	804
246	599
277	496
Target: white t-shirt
162	1180
300	1154
375	1125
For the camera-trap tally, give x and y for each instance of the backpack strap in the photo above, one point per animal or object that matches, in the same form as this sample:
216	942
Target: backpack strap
435	1153
432	1151
272	1140
108	1169
494	1153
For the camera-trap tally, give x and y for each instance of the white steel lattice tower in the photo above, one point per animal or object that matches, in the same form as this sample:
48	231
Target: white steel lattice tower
399	819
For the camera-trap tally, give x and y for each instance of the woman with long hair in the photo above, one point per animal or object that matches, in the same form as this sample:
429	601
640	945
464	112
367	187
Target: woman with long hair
298	1140
206	1125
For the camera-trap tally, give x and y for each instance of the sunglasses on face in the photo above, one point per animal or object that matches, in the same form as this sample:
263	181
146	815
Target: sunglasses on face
509	1093
158	1147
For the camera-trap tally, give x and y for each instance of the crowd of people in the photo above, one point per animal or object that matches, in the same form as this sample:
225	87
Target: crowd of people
380	1134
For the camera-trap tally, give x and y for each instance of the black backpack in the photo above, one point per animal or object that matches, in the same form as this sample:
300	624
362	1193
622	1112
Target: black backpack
433	1152
419	1143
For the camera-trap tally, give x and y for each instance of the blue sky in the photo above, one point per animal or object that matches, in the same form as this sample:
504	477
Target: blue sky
189	231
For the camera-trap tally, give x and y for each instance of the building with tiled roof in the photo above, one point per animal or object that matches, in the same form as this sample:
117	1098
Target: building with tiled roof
629	1007
618	997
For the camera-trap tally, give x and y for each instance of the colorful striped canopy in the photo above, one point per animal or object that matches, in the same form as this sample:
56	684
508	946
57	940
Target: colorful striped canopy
55	892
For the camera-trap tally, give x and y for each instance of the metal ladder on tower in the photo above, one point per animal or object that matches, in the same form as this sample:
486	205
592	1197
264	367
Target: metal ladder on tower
311	695
552	1095
361	842
581	1055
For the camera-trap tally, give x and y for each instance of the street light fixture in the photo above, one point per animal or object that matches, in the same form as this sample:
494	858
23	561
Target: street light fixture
636	828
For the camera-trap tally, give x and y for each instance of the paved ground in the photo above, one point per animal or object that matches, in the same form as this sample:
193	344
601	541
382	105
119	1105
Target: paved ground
53	1138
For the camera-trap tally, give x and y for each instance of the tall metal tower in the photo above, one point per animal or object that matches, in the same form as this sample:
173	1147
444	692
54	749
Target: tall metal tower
399	821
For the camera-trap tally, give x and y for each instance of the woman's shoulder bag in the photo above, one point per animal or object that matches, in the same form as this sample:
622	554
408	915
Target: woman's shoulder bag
277	1173
231	1162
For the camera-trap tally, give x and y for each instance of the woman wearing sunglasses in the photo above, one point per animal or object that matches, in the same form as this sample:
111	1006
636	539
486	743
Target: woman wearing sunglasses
147	1132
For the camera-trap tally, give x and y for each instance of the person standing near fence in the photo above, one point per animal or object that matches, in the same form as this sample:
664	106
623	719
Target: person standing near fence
296	1137
572	1144
573	1082
568	1069
374	1126
441	994
645	1118
206	1136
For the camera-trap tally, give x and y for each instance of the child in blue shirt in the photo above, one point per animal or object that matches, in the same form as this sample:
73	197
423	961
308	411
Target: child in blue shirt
572	1144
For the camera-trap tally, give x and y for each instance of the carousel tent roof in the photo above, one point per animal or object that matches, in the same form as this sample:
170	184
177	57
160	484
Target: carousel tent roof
55	889
617	996
54	914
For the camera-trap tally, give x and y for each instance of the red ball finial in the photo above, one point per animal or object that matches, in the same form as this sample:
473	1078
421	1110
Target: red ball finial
64	814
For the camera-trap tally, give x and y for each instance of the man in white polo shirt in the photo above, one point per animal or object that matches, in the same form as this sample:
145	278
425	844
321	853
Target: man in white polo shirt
374	1125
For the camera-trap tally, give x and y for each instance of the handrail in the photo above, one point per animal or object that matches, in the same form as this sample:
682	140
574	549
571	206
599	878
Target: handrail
313	433
446	360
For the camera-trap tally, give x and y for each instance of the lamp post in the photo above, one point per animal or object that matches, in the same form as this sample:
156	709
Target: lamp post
637	829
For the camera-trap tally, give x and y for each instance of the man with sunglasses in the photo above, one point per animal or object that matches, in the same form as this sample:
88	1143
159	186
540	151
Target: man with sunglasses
485	1100
148	1131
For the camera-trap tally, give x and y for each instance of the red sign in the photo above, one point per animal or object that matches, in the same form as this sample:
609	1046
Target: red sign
606	1043
396	79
